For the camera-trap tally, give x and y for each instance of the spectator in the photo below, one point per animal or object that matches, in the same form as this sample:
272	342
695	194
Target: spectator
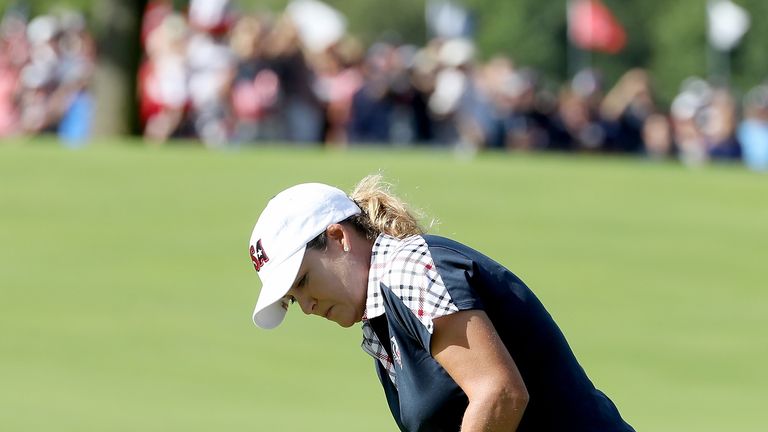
657	137
686	107
155	13
717	122
373	103
163	80
491	80
753	130
705	123
458	108
8	112
72	101
256	86
529	126
577	125
13	43
211	67
298	107
421	71
626	108
38	76
403	128
339	77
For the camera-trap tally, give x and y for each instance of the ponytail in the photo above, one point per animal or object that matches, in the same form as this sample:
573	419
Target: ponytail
382	212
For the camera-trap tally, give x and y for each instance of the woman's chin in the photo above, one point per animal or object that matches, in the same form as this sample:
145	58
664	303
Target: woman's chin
345	324
344	321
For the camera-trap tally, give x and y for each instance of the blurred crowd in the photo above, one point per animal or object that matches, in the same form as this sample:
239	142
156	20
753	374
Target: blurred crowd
46	66
233	79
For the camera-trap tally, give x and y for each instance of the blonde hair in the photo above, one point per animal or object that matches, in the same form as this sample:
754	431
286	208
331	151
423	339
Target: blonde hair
382	211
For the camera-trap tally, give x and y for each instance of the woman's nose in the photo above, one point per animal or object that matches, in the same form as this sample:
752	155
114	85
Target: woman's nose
307	304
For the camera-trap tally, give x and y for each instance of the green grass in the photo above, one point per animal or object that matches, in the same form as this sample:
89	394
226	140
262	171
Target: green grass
126	289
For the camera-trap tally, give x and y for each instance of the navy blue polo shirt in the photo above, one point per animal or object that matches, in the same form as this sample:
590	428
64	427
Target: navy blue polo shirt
415	280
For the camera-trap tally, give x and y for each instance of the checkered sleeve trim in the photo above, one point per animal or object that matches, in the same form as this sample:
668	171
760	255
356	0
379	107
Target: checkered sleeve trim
413	277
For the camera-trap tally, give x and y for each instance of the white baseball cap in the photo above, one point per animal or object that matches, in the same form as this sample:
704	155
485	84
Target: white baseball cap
291	219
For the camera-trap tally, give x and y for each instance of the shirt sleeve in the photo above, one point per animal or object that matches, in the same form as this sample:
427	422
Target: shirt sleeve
457	273
422	287
413	278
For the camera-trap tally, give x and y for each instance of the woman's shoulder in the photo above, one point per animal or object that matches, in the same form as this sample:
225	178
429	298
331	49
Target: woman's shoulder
412	255
411	244
436	241
402	254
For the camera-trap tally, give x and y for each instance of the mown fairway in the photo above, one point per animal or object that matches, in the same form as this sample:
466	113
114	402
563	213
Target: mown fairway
126	288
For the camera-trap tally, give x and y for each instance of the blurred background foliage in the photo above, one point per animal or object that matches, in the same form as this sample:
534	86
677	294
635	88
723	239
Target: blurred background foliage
668	38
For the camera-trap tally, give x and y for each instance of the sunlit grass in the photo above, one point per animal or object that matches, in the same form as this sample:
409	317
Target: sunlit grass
126	289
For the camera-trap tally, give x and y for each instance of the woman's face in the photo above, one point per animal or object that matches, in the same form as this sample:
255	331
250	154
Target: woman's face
333	283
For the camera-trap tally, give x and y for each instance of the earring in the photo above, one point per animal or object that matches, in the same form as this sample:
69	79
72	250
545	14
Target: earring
346	248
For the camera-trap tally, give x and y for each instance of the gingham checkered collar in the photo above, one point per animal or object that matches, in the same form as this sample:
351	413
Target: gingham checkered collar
384	244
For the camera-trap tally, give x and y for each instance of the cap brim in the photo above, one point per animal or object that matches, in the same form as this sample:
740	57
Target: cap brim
270	311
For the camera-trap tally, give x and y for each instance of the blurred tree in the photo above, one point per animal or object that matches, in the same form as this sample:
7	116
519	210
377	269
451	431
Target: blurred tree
749	61
369	20
117	25
532	32
679	42
394	19
36	7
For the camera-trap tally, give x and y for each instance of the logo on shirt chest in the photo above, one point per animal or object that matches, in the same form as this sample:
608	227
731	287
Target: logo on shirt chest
398	360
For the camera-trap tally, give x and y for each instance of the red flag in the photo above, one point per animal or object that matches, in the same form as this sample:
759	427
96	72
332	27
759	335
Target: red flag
591	26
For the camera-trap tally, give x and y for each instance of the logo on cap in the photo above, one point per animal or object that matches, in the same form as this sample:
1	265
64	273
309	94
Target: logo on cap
258	256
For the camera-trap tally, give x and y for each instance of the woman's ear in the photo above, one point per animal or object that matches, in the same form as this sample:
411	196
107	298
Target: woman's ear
335	233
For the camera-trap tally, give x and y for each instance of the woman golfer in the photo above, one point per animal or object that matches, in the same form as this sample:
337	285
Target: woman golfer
459	342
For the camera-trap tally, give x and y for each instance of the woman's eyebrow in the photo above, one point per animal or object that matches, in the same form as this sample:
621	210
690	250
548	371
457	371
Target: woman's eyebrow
299	280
